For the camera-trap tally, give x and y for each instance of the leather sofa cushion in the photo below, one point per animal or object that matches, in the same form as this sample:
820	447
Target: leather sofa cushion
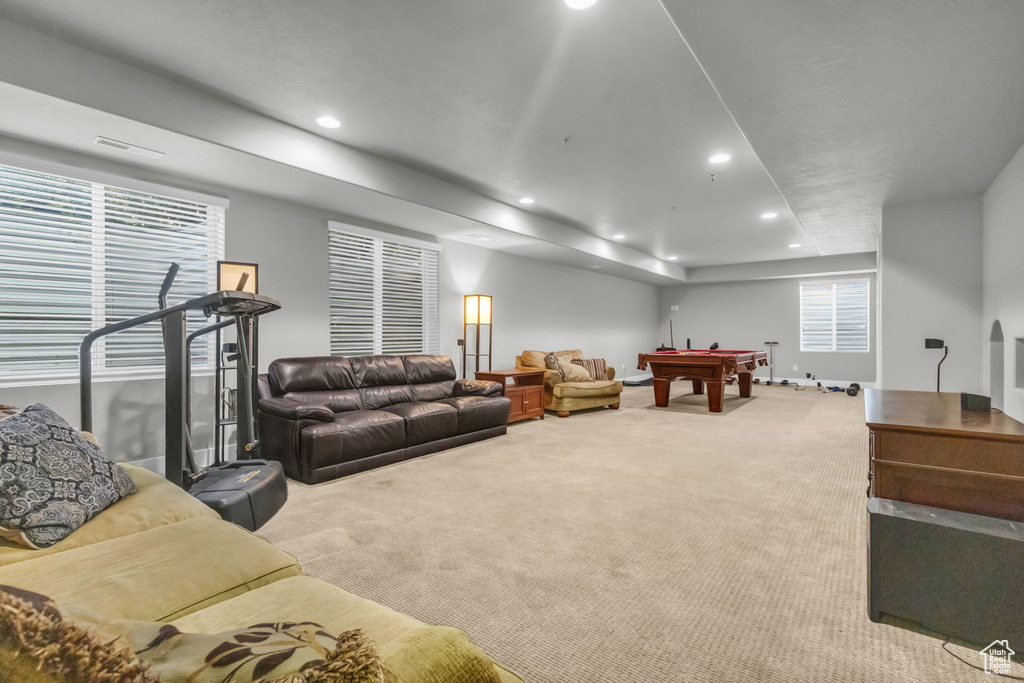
338	400
380	397
353	435
311	373
480	412
587	389
378	371
432	391
424	369
425	422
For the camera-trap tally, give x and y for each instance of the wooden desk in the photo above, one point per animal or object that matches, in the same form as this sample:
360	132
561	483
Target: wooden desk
526	391
925	450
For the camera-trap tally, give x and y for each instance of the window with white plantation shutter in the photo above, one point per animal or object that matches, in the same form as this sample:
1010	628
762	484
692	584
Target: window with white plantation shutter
80	250
383	293
834	316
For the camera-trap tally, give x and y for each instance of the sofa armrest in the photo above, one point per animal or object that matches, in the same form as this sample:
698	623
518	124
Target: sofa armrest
609	372
293	410
477	387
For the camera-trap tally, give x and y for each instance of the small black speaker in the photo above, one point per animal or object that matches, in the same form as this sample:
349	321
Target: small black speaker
975	403
933	343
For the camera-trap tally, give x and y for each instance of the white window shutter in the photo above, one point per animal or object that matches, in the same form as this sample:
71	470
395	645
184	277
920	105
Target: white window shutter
81	254
834	316
383	293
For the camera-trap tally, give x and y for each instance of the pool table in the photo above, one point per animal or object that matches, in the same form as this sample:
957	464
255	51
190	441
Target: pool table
711	368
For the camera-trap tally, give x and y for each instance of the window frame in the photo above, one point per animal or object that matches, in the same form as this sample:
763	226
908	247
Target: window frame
431	323
215	241
866	281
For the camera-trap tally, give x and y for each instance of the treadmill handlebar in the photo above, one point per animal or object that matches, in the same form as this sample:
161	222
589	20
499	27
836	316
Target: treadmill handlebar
165	288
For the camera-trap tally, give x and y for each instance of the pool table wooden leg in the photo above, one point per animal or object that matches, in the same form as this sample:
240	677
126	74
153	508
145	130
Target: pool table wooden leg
698	386
746	381
661	389
716	392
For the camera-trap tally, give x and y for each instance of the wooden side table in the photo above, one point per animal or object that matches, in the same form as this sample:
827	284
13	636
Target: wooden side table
526	391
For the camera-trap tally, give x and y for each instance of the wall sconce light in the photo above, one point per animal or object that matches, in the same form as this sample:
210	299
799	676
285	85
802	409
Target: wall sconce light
477	312
937	344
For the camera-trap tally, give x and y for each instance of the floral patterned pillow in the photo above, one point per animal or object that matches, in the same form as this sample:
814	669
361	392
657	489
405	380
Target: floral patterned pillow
64	643
52	480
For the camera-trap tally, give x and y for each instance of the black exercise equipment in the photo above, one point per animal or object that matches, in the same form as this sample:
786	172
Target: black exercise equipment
937	344
246	492
771	361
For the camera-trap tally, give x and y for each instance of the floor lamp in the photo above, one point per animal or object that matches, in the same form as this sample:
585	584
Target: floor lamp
477	313
937	344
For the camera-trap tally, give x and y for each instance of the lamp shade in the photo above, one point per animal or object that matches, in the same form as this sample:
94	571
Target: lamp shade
478	309
230	276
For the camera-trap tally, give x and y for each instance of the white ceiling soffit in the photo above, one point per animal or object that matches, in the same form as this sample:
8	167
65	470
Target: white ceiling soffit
603	116
64	95
855	105
839	265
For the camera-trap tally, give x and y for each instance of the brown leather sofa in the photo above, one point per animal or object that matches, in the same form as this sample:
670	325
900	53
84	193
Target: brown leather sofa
325	417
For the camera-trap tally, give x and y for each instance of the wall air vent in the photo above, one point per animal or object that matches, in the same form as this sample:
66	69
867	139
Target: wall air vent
125	147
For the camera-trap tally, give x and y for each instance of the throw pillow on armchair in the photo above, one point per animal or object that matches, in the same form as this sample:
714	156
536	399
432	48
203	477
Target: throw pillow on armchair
597	368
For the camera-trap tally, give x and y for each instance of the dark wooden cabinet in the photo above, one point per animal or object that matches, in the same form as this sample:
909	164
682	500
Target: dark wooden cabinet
526	391
924	449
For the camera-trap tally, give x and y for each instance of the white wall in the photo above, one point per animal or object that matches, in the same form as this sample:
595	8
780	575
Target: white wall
1004	280
744	315
930	273
547	307
537	305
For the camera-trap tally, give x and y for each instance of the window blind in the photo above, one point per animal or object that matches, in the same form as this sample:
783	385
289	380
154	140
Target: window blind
383	293
834	316
80	254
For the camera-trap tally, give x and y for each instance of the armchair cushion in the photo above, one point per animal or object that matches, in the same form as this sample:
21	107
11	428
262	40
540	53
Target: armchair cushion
573	373
534	359
589	389
476	387
292	410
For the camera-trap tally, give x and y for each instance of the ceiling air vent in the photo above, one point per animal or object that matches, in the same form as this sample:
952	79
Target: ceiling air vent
125	147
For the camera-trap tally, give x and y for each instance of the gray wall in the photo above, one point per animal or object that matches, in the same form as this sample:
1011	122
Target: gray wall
930	272
744	315
1004	286
537	305
547	307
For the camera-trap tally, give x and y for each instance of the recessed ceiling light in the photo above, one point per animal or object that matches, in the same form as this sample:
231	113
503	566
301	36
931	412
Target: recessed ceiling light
328	122
482	238
770	215
672	258
618	237
594	266
580	4
526	200
720	158
793	246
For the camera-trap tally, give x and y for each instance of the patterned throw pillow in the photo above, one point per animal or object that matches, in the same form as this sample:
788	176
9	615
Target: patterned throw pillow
597	367
52	480
72	645
551	363
573	373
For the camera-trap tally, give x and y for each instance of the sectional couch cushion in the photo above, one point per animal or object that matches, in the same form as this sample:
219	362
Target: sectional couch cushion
155	503
477	413
52	480
156	575
414	652
353	435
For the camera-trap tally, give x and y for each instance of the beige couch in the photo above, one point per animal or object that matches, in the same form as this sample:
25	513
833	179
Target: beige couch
566	397
161	555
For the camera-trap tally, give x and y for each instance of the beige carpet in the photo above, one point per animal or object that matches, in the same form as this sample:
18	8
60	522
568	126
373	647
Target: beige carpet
645	544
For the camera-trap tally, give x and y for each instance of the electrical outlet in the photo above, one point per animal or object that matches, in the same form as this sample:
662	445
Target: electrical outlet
623	367
795	368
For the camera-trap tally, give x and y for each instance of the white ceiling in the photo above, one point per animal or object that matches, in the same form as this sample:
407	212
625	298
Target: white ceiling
853	105
483	94
847	105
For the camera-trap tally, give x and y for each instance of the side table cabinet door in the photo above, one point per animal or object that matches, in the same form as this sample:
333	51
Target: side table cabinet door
535	401
518	410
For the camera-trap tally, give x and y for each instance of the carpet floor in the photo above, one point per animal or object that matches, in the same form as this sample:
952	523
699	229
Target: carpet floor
639	545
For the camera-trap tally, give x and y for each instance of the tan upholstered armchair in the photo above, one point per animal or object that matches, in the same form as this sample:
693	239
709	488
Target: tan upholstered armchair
565	396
